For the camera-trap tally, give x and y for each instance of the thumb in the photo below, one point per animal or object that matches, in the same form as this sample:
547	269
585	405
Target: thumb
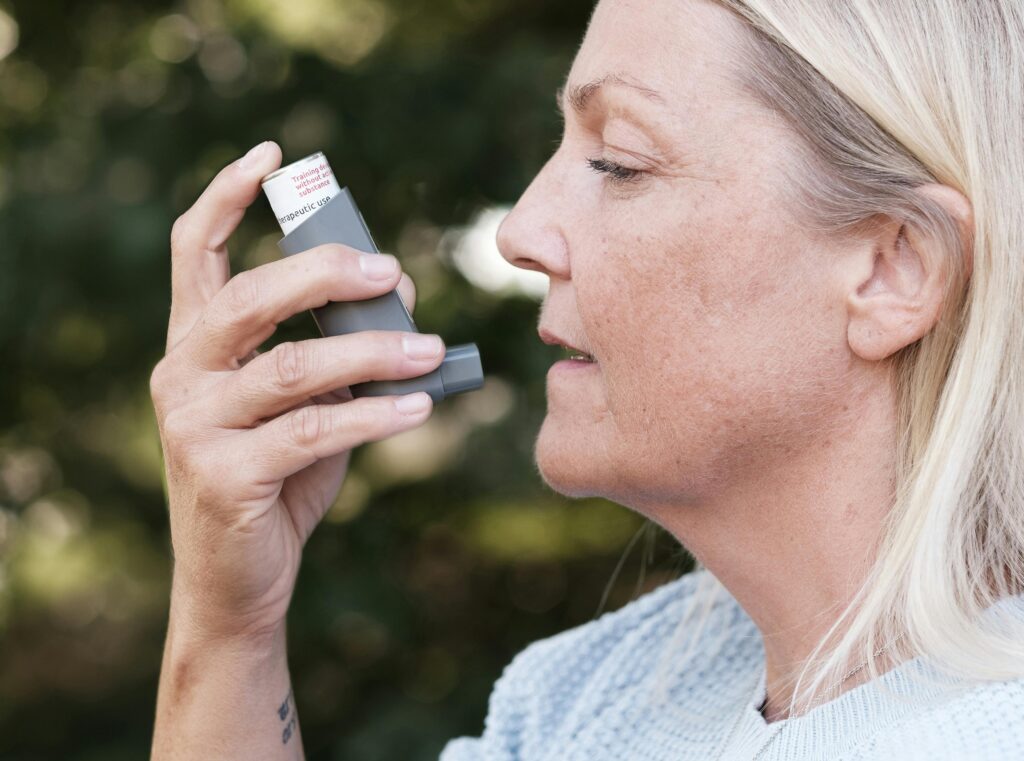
199	255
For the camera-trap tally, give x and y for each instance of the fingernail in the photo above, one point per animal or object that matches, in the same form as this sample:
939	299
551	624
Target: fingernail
378	266
413	404
253	156
419	346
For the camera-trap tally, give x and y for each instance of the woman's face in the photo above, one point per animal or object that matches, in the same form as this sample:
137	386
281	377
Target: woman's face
677	261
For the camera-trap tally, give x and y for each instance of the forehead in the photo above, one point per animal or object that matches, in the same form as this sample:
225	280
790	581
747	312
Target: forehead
679	48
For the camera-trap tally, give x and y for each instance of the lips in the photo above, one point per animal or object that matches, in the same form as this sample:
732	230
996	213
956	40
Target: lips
575	352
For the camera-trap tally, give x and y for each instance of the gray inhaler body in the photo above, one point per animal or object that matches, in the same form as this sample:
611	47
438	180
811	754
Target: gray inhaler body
338	220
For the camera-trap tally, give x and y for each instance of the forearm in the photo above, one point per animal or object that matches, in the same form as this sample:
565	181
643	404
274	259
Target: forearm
224	698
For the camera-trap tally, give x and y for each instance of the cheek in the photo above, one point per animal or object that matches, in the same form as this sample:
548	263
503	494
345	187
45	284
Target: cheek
716	341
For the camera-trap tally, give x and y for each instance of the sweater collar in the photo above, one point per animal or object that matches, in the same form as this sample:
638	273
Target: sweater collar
838	725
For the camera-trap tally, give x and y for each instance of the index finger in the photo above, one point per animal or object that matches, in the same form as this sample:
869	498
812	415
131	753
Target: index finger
199	255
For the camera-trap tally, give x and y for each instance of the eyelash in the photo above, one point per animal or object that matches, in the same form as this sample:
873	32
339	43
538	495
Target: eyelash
616	172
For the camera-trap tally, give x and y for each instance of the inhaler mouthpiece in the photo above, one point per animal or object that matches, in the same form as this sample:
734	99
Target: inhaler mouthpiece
300	189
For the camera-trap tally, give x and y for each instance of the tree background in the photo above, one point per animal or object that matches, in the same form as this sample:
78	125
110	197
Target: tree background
445	554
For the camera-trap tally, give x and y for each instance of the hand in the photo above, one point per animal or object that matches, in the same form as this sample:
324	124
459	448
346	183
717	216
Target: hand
256	446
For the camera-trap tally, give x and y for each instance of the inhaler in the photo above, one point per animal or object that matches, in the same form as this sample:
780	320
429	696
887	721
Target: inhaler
312	210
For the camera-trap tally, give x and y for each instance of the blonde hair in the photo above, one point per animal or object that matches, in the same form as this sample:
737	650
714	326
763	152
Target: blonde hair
888	95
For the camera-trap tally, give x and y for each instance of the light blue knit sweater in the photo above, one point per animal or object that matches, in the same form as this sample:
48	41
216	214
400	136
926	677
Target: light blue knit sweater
581	695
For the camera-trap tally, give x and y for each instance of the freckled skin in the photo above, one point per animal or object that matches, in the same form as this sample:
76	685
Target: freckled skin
703	299
742	396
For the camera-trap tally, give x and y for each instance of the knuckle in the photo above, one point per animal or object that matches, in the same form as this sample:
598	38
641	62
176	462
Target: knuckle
180	233
158	379
241	296
305	426
290	365
160	390
212	479
166	386
177	431
189	454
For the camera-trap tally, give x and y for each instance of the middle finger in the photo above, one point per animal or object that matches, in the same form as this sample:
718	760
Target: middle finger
292	372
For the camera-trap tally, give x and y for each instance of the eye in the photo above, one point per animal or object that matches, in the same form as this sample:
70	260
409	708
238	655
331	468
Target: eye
616	172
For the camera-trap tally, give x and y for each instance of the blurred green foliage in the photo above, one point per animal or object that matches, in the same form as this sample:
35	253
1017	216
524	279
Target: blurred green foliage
445	553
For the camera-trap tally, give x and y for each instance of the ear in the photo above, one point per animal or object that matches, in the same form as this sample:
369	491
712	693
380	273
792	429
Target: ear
902	296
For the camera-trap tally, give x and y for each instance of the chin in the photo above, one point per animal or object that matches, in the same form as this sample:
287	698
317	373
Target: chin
566	461
577	461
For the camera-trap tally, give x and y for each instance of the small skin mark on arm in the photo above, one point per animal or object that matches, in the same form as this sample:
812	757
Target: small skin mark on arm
182	680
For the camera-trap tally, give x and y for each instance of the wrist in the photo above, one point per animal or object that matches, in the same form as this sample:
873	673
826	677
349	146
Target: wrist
200	617
222	689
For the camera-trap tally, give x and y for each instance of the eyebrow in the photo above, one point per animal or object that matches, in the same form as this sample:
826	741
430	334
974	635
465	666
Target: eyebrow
579	96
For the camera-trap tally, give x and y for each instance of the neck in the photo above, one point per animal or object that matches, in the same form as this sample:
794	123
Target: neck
794	538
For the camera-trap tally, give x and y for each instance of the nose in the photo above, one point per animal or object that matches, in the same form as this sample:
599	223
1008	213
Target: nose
532	235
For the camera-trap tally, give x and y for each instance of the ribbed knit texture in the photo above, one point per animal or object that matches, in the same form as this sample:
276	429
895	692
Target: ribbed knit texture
584	695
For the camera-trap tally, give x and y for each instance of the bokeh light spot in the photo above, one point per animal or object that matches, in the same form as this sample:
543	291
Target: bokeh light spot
8	34
174	38
222	58
340	33
474	251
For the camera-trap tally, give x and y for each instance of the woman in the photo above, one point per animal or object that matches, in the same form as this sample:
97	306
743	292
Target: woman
786	238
